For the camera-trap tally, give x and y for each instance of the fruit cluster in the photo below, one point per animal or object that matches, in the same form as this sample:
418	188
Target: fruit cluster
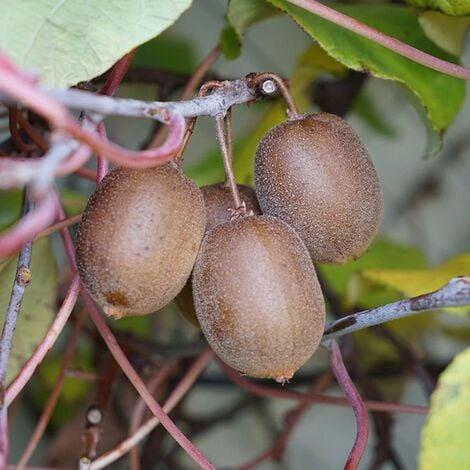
253	290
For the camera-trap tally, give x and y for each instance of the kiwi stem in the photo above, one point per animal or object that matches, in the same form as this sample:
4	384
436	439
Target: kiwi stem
292	112
226	156
358	406
191	123
228	133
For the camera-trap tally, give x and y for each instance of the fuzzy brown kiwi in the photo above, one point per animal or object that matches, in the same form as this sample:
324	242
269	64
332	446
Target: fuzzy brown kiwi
218	201
257	297
314	173
139	237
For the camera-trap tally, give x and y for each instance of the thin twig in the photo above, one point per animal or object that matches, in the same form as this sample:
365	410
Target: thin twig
21	281
117	74
55	392
233	93
86	173
269	83
110	86
291	420
139	385
409	356
16	137
175	397
383	39
226	156
140	407
358	406
46	344
266	391
455	293
75	219
190	87
110	372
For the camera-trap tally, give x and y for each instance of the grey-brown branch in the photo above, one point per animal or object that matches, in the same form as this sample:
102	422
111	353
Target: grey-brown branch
455	293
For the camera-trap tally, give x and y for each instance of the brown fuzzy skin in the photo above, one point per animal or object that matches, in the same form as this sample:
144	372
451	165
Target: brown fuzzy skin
219	201
314	173
257	297
138	239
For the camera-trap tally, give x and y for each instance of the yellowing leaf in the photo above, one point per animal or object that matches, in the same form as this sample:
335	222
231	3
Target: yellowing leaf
382	254
448	32
445	440
449	7
420	281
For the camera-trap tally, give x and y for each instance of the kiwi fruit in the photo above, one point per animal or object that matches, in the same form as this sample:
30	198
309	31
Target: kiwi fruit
219	202
139	237
314	173
257	297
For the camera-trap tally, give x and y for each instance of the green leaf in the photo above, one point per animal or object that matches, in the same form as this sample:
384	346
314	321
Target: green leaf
413	282
310	65
244	152
440	94
445	437
382	254
73	390
230	42
365	107
449	7
240	15
10	207
167	52
38	305
448	32
208	170
68	41
74	201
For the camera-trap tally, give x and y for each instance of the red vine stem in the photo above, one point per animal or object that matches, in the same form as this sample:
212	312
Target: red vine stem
140	407
109	88
59	225
127	368
291	420
383	39
175	397
266	391
117	74
46	344
86	173
362	422
12	83
139	385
